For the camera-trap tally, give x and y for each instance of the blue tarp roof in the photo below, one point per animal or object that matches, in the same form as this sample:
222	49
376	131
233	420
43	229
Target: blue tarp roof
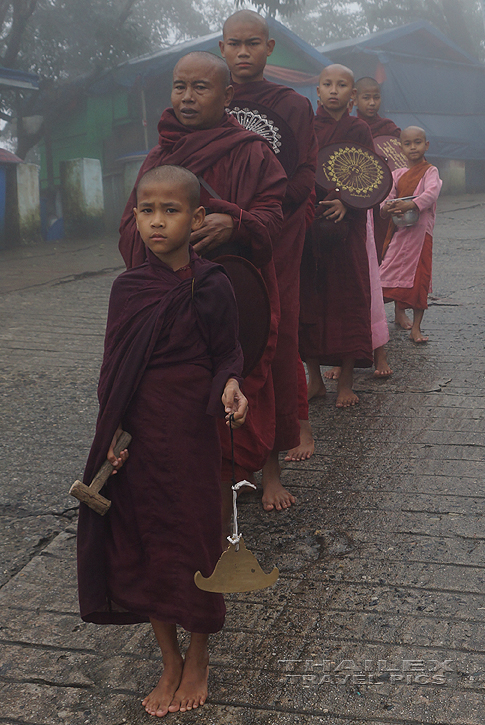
427	81
10	78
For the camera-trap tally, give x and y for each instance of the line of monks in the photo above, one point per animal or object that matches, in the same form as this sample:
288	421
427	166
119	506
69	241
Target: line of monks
257	210
167	343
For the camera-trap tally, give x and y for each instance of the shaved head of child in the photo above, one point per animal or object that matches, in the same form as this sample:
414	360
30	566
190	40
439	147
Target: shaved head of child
368	97
335	89
246	45
167	212
414	144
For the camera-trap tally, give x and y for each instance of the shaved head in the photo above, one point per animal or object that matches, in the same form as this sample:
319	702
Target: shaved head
337	70
413	131
246	17
177	176
366	83
203	61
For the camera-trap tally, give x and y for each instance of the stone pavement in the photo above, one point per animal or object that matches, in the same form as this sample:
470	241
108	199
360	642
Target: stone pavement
379	613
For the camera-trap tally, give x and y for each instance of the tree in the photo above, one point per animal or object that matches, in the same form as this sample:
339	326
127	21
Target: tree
321	21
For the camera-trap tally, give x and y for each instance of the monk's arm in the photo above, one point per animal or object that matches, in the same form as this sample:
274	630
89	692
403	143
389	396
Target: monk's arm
217	315
301	184
432	188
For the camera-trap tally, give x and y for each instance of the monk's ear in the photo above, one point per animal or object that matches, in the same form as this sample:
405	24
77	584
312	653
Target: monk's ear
135	212
228	95
426	147
198	218
270	46
221	48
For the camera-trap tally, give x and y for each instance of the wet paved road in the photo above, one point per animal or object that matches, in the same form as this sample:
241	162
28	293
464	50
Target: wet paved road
379	613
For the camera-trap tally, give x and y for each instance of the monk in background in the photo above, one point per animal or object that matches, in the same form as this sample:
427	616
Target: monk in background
246	46
335	324
247	185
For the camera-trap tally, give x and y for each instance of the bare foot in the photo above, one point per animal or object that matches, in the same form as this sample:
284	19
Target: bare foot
418	337
316	390
306	448
192	691
332	374
275	496
402	319
382	369
160	698
346	397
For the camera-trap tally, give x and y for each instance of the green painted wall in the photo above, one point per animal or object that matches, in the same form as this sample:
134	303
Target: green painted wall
82	135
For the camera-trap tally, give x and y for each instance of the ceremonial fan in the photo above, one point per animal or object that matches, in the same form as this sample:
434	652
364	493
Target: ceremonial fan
238	569
359	176
390	149
267	123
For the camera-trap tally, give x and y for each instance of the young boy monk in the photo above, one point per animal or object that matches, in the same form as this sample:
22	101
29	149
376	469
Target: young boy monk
246	46
368	101
171	352
335	326
406	268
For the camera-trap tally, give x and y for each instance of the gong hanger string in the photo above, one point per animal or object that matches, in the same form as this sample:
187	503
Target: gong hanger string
236	536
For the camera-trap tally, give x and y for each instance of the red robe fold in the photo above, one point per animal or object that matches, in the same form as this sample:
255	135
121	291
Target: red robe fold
171	344
380	126
298	113
244	172
335	298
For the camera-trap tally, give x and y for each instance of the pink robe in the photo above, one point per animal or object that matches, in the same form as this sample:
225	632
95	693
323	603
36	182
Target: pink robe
400	263
378	319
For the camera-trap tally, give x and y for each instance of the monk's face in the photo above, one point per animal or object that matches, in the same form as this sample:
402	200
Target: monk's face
368	101
199	95
245	48
414	145
335	89
166	218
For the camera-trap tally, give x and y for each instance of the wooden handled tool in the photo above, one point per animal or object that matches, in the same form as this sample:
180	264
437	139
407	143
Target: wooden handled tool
90	494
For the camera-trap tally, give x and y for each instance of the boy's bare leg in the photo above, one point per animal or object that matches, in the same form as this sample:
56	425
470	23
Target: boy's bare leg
275	496
316	386
401	319
159	700
192	690
382	368
306	448
416	334
332	374
345	395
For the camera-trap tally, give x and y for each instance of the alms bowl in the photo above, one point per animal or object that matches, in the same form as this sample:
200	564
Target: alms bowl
409	217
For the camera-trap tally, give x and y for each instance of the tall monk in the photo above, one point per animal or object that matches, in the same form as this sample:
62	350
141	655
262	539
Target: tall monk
246	187
335	326
246	46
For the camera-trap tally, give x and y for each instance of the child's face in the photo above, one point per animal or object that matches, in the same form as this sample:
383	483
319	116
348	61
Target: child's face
165	219
335	89
414	145
245	49
368	102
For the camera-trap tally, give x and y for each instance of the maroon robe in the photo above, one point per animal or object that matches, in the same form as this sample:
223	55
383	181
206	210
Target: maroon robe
244	172
297	111
170	347
335	294
380	127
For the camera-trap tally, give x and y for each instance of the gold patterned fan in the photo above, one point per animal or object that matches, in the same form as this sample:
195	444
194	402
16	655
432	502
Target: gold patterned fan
360	176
